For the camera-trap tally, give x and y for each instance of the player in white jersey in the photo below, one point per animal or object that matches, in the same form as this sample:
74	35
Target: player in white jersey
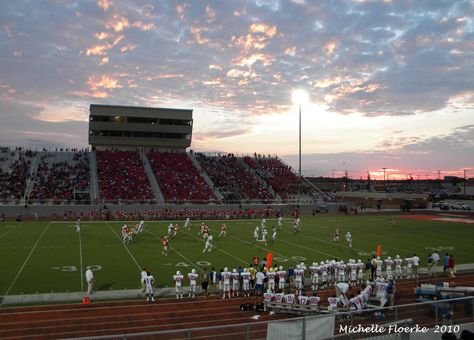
378	267
281	278
333	302
274	234
280	223
279	297
352	272
289	298
246	282
314	270
143	275
356	302
303	299
360	271
388	266
409	269
141	226
296	225
78	225
226	275
264	223
314	300
271	280
349	239
149	280
170	229
223	232
235	282
264	236
187	224
208	245
323	268
268	296
341	271
255	233
299	279
192	282
178	283
381	291
398	267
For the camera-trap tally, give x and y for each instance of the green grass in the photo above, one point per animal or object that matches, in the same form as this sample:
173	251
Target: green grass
44	257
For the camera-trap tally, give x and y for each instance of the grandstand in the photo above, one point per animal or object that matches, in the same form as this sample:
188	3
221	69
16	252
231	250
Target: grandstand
126	176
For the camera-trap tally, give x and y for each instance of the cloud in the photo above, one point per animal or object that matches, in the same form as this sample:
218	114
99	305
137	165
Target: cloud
241	59
104	81
104	4
214	135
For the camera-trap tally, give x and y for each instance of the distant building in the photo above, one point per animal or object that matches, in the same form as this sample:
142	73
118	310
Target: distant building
130	127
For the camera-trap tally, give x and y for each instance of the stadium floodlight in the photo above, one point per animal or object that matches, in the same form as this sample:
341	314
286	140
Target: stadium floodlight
299	97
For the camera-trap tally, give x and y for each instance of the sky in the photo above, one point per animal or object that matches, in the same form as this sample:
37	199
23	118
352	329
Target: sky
390	83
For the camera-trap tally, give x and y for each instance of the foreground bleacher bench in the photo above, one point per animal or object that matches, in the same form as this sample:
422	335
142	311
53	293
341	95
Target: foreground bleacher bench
291	308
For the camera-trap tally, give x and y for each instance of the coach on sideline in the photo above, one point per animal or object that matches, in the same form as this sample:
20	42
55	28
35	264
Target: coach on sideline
90	280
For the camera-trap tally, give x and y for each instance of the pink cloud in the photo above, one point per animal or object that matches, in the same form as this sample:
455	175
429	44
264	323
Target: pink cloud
104	4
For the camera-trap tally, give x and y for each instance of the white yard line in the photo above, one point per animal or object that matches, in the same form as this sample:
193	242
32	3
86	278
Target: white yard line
80	259
5	233
177	252
124	245
25	262
328	242
266	249
307	248
219	249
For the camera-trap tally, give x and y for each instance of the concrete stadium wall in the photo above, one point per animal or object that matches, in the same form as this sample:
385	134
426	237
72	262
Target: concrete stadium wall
47	211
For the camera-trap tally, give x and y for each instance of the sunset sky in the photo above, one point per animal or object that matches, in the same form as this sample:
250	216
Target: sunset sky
390	83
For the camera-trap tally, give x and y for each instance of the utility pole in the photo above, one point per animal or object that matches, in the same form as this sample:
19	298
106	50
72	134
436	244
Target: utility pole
384	181
439	178
465	170
346	175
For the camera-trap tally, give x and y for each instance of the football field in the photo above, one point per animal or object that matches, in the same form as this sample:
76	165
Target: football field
46	257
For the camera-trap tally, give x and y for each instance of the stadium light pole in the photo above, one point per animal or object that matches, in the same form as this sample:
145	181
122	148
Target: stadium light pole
299	97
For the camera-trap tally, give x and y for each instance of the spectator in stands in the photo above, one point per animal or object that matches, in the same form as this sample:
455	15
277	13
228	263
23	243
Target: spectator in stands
121	175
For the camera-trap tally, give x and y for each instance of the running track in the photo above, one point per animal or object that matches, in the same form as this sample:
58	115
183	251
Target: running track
121	317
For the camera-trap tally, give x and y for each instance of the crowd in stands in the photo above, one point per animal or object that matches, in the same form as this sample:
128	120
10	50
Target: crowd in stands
230	176
13	180
169	214
278	175
60	180
122	176
178	178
